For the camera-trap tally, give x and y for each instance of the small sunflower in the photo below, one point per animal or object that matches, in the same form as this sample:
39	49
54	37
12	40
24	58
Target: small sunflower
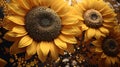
95	18
45	27
109	47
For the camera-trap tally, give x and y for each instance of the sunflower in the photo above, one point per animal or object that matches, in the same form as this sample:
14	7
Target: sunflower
109	47
95	20
45	27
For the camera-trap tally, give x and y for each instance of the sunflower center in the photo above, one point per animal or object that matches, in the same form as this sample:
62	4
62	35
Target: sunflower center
110	47
45	22
93	18
42	24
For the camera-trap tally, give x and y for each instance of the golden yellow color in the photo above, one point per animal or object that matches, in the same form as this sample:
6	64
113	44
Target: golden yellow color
95	18
2	62
108	47
31	27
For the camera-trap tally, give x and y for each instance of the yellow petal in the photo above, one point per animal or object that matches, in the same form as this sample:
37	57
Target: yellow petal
101	5
9	25
57	5
14	1
84	3
84	27
104	30
99	34
98	49
68	39
116	60
113	60
108	12
107	60
24	4
64	10
40	54
96	43
19	29
31	49
13	34
15	50
69	20
110	16
53	51
108	25
61	44
70	48
71	31
9	38
45	47
90	33
2	62
46	3
103	56
16	9
79	8
16	19
91	4
25	41
34	3
111	20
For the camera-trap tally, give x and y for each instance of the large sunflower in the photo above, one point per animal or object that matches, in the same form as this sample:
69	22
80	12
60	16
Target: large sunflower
109	47
95	18
41	26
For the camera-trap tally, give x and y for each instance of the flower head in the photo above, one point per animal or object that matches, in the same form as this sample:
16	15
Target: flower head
45	27
95	20
109	47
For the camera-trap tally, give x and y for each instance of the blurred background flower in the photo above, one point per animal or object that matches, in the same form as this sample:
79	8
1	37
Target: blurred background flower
108	48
